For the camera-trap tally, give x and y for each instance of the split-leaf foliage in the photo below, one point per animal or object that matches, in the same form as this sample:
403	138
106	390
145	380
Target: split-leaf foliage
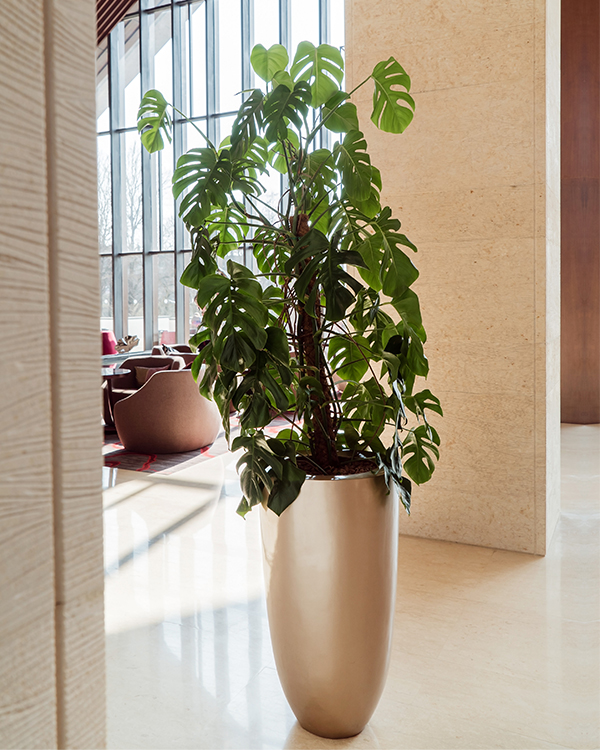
327	333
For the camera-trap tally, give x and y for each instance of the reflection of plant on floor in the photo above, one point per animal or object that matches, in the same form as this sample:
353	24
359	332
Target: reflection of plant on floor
310	335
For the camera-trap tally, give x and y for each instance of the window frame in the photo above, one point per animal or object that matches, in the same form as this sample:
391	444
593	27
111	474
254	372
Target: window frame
182	78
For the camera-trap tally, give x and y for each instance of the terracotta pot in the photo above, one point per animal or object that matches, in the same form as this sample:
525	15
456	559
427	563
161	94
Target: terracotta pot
330	571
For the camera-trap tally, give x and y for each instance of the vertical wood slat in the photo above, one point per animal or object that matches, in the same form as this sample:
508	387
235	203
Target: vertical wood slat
27	667
108	15
580	195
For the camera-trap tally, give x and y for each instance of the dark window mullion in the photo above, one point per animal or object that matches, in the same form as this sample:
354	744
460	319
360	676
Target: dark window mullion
324	39
116	109
148	238
179	81
285	17
212	67
323	22
247	42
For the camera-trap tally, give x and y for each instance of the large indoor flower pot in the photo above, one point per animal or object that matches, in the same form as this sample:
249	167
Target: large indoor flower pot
330	572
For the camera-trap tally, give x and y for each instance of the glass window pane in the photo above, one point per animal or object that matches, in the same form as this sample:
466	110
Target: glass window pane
133	299
167	204
164	298
191	138
336	23
198	59
266	22
305	23
230	56
160	50
194	314
272	184
152	207
131	199
224	125
106	293
184	235
127	72
105	223
102	103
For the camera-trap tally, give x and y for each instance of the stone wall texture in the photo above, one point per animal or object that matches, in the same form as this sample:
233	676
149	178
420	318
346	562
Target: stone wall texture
475	183
52	684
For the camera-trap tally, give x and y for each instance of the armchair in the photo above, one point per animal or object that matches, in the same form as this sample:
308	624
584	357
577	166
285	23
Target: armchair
167	415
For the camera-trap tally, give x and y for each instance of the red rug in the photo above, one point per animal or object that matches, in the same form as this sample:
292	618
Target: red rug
116	457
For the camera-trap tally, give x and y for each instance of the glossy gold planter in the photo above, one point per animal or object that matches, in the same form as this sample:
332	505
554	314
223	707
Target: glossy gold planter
330	573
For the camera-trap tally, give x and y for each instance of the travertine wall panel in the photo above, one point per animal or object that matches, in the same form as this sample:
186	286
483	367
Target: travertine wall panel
468	180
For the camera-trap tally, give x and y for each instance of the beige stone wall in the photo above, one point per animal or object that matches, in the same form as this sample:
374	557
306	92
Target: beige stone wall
474	181
51	584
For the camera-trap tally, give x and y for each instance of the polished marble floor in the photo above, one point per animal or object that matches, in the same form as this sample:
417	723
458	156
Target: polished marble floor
492	649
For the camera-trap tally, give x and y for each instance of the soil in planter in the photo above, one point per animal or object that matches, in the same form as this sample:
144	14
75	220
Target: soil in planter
354	466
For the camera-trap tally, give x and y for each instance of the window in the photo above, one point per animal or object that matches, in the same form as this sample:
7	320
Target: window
197	52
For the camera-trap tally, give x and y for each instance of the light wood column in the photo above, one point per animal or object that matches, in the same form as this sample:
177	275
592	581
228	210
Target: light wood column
475	182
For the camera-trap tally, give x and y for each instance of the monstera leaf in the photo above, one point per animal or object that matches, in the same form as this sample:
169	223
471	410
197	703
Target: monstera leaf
283	106
340	116
354	163
247	123
322	67
267	62
421	445
388	112
208	177
152	117
349	356
327	292
229	226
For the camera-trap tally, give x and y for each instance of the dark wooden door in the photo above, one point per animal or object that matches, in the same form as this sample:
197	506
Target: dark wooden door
580	214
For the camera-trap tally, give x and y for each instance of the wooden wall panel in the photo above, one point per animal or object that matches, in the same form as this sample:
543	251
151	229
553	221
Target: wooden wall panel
108	15
580	180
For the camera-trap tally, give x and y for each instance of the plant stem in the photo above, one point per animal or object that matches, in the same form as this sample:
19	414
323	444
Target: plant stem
312	362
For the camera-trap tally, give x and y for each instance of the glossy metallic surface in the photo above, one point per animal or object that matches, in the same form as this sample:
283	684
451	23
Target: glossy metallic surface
330	573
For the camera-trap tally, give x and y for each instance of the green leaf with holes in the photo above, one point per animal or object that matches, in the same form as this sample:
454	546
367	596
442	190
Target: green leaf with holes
321	67
349	356
152	118
419	449
393	106
353	161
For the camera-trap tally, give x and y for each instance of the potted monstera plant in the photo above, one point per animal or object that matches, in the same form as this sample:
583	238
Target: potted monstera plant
324	335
